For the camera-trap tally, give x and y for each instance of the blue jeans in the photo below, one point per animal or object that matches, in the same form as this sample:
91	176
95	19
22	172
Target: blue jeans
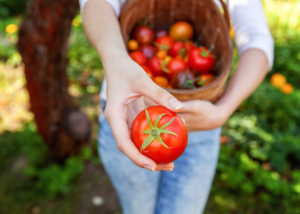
182	191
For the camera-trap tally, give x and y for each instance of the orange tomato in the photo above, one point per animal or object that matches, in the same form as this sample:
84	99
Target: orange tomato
133	45
161	81
181	31
205	79
169	86
161	54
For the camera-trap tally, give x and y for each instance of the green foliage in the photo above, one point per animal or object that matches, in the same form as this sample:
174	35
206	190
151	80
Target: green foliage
44	177
85	68
8	50
12	7
287	62
259	169
55	178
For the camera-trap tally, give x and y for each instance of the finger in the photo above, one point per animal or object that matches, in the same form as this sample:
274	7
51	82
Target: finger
187	118
190	106
149	102
194	106
165	167
161	96
133	109
125	145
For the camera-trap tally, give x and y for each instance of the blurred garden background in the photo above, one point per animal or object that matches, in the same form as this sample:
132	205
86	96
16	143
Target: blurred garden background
259	167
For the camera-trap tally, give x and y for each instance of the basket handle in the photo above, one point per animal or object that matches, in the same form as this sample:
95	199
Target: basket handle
226	14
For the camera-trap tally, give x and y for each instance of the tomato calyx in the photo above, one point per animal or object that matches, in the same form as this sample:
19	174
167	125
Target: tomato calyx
155	131
145	22
189	83
163	65
205	53
162	46
182	52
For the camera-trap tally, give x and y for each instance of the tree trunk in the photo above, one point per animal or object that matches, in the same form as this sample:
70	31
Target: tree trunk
43	42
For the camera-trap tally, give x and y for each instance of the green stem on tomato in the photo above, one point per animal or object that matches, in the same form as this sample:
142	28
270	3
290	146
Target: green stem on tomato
155	131
162	46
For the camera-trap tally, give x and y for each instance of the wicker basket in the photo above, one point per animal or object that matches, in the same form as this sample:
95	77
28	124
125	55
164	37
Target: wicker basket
211	30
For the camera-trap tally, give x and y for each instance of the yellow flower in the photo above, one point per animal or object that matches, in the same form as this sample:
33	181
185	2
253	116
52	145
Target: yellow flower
278	80
287	88
11	28
75	22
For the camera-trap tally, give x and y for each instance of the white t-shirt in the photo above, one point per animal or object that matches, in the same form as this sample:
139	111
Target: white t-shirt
249	23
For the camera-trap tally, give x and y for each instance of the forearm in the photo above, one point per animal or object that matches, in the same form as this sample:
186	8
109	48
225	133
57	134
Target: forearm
102	29
251	70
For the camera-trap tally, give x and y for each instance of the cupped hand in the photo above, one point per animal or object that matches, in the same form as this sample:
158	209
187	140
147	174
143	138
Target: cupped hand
202	115
126	83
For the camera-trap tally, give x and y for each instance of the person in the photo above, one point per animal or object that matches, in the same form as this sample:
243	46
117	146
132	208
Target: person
126	91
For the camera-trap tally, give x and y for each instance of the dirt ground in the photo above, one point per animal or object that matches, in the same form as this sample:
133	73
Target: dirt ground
95	182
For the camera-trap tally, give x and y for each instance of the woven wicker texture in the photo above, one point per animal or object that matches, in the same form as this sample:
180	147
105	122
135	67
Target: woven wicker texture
211	29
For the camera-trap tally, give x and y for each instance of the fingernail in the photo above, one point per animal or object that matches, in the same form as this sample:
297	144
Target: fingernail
167	169
175	104
150	168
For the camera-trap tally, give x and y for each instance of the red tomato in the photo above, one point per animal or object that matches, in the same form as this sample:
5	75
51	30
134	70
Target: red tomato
138	57
202	60
176	65
189	45
148	71
181	31
148	50
165	139
161	33
164	42
154	63
143	34
178	48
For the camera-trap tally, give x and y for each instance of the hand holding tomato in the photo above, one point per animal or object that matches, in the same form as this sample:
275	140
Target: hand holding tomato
126	82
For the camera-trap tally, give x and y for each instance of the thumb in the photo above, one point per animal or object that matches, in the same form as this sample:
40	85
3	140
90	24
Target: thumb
161	97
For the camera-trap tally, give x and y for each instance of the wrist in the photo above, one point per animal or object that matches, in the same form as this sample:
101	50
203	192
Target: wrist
110	55
225	109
